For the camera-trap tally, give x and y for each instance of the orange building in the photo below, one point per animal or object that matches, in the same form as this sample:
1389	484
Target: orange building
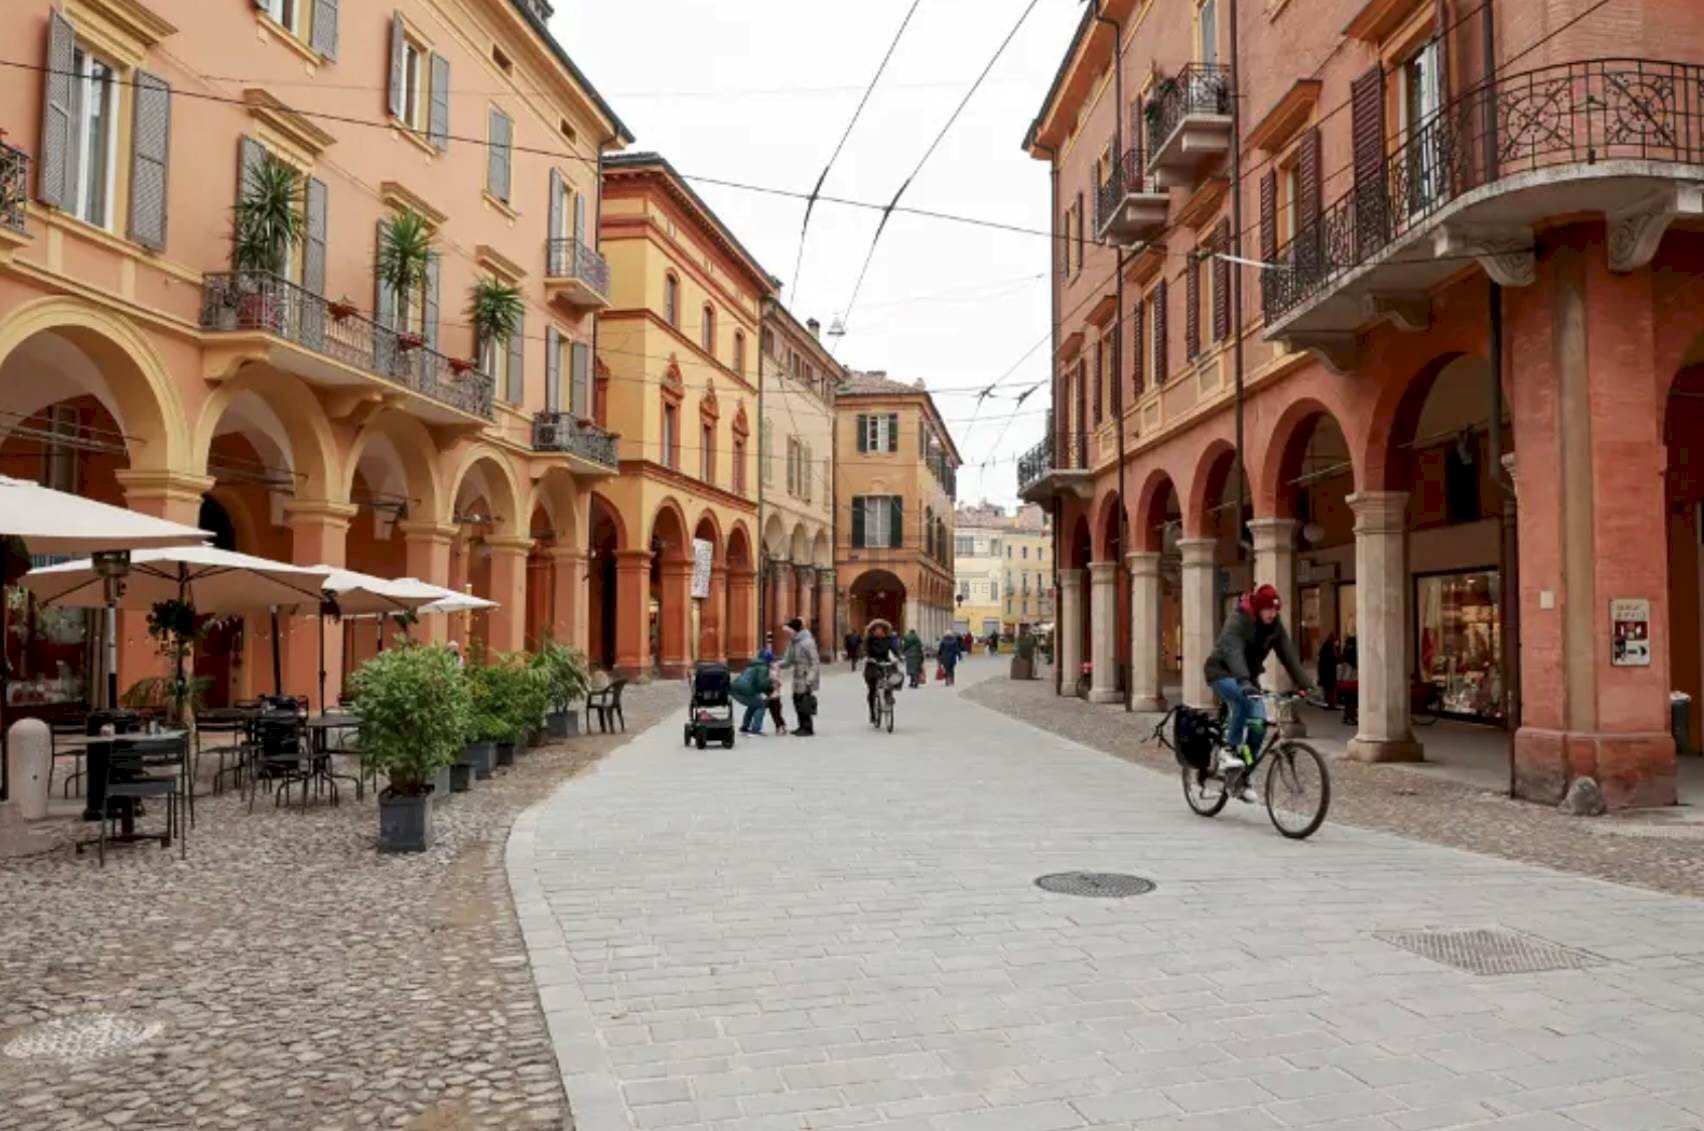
304	414
676	379
1455	255
896	477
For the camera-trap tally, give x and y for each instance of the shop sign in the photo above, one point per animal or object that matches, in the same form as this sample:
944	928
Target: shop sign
1630	632
702	553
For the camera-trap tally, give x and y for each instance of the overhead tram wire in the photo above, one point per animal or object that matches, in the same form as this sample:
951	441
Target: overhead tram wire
822	178
892	205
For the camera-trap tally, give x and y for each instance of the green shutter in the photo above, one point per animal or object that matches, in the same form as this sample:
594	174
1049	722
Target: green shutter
896	533
857	522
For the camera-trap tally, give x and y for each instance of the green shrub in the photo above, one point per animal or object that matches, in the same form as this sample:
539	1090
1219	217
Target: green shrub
415	709
566	673
486	693
527	692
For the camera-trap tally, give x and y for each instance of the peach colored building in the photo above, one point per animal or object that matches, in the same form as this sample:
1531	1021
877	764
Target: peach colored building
1470	298
896	477
676	379
301	415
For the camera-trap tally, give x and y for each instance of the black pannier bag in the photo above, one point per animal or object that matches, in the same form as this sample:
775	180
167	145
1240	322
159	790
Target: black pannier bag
1193	737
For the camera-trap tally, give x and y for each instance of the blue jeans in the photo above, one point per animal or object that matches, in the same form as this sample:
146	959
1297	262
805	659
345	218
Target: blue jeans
1243	709
753	723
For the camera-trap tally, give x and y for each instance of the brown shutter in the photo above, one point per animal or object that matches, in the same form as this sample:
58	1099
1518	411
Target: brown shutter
1100	383
1309	202
1268	230
1367	128
53	176
1162	359
1192	306
1221	282
151	136
1138	362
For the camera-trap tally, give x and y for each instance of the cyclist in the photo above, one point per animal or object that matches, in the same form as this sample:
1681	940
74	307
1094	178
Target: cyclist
881	653
1251	633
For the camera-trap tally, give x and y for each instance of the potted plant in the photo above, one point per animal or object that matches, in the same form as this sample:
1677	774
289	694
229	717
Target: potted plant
460	366
523	697
341	309
1023	659
414	714
171	625
267	224
405	261
486	721
566	677
494	310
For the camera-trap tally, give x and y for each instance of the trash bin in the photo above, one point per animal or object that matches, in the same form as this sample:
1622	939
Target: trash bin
1680	721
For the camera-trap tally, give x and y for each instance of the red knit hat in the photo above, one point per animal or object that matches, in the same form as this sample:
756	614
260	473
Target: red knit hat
1265	597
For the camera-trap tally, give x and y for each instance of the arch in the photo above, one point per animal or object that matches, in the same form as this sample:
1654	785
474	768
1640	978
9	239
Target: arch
139	389
668	532
822	554
1157	505
497	482
1286	448
604	519
559	496
1206	487
1106	529
245	536
277	402
774	537
1079	548
412	448
876	594
709	528
798	546
1384	463
740	556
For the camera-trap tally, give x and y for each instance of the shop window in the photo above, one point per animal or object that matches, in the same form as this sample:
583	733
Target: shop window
1458	634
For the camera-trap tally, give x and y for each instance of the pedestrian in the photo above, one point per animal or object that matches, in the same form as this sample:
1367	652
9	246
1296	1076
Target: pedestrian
993	643
1326	669
951	647
913	652
767	658
805	663
853	643
455	650
751	691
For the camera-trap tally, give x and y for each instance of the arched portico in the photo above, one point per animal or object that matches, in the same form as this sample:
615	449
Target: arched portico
491	543
671	589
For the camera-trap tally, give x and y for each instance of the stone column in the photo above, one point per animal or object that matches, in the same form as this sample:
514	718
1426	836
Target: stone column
508	623
1200	617
713	617
1382	617
675	612
1103	631
633	613
570	592
1275	565
782	610
319	533
428	555
1146	687
1069	628
742	616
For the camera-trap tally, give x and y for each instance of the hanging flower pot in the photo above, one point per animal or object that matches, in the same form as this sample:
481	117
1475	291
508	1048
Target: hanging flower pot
460	365
409	341
341	309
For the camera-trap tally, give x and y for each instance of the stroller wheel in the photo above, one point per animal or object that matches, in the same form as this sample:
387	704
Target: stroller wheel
700	740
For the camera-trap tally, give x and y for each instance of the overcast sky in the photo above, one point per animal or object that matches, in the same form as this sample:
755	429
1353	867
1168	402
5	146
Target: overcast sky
759	91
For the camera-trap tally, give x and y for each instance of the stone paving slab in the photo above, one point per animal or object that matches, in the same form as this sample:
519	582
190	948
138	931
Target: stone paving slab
845	931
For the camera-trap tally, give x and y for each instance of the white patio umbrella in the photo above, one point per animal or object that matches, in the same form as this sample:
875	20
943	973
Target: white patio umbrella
439	600
348	593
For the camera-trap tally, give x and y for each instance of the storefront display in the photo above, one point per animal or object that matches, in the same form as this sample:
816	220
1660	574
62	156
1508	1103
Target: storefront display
1458	635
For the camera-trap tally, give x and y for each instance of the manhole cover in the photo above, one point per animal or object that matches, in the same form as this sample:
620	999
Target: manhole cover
82	1038
1102	885
1493	950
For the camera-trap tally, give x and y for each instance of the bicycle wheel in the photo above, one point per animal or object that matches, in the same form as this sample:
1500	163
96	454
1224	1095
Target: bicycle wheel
1205	794
1298	789
887	713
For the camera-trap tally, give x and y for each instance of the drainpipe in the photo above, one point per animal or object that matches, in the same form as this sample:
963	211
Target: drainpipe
1119	570
1053	277
597	245
763	567
1236	275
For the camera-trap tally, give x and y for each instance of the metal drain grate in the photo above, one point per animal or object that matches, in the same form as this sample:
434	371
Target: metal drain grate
86	1037
1101	885
1494	950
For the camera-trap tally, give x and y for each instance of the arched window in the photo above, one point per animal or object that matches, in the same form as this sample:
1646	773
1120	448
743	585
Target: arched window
739	353
707	330
671	300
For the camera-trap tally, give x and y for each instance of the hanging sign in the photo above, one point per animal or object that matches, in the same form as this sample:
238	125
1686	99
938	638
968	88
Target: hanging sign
1630	632
702	553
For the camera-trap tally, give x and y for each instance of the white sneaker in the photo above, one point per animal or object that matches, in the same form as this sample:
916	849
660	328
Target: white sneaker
1229	760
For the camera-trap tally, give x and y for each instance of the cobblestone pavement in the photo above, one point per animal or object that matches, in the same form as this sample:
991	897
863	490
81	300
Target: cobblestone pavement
298	979
1660	850
845	931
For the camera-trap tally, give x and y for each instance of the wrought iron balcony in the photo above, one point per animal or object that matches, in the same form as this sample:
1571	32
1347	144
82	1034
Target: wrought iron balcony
1619	137
1130	208
576	275
324	342
1189	123
562	432
1041	475
14	186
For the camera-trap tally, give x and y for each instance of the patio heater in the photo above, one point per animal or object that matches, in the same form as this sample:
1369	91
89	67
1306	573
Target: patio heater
112	566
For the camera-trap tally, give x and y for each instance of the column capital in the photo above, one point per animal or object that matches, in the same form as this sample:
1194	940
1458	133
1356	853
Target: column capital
678	569
1272	533
509	545
1199	552
1143	563
1103	571
1071	579
324	512
1379	512
633	559
566	554
142	483
428	533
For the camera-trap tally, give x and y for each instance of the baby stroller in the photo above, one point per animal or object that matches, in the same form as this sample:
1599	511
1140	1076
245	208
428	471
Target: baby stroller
710	714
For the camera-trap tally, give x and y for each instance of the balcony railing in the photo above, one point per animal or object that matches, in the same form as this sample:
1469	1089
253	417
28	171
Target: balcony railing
261	301
1568	114
1130	204
1034	464
571	259
14	181
562	432
1199	88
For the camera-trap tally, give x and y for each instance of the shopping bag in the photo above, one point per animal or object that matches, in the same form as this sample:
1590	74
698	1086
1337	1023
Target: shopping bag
940	673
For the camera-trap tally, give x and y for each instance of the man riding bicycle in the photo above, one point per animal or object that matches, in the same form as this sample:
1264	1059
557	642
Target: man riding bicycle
881	654
1251	633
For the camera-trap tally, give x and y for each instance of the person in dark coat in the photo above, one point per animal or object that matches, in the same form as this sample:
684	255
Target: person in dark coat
913	652
751	691
950	648
767	658
853	643
1327	669
1252	632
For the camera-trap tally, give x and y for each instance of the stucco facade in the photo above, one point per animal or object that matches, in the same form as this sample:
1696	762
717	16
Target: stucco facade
298	415
896	478
1002	569
1468	322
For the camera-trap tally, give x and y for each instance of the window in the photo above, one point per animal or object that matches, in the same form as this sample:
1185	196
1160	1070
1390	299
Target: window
671	436
413	85
964	545
792	466
707	330
1079	233
671	300
739	352
767	342
994	547
1025	554
94	139
765	452
878	522
290	14
993	590
1290	192
1422	94
807	472
878	432
739	466
569	134
707	453
501	156
1207	27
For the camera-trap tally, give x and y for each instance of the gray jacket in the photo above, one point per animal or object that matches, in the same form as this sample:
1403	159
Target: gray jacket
803	661
1243	646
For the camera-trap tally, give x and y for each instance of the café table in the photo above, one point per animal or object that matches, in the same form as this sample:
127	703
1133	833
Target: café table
99	751
320	730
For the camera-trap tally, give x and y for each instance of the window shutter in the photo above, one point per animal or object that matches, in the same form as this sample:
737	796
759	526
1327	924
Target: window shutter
151	147
893	432
1221	282
552	369
1367	128
438	118
1309	202
580	379
896	522
1269	228
580	218
497	170
1192	307
863	433
430	331
1139	364
1097	397
313	264
396	66
858	522
384	311
325	28
1162	359
53	178
517	361
558	188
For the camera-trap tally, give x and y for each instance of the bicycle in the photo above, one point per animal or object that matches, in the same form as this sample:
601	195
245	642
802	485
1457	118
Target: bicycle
883	714
1297	786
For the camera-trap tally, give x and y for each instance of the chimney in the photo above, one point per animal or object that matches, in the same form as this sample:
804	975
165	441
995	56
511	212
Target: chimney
814	327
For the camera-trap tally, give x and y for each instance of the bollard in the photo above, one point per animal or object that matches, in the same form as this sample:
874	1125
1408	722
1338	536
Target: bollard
29	746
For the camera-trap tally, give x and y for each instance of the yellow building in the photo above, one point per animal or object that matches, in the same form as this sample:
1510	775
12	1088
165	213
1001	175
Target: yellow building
796	451
1002	570
676	379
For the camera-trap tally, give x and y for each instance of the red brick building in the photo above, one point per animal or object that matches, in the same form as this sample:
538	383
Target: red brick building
1458	272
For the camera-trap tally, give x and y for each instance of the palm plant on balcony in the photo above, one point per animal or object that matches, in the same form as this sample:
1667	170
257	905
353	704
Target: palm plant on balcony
266	225
494	308
405	259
